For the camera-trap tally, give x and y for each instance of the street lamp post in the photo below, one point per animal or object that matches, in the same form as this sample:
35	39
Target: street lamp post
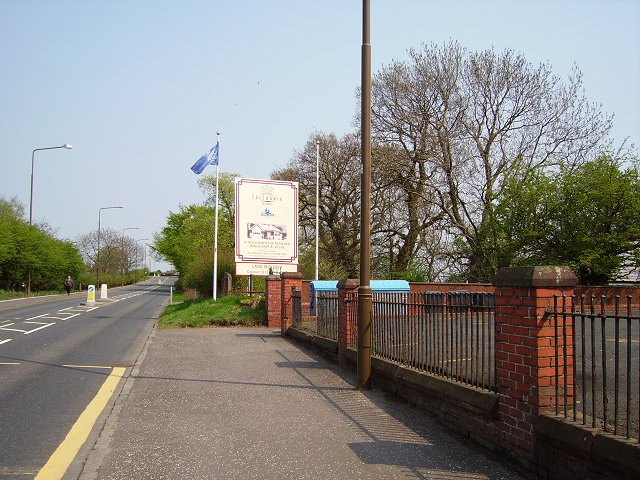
135	278
144	261
125	257
365	295
98	252
33	158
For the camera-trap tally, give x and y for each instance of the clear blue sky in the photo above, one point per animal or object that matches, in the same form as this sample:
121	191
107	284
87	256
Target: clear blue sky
140	87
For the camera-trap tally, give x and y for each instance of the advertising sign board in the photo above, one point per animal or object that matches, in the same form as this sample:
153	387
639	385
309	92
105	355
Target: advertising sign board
266	226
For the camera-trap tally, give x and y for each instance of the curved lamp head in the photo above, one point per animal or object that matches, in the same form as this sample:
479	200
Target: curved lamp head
67	146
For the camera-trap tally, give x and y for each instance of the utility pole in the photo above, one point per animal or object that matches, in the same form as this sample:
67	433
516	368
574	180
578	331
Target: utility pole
364	290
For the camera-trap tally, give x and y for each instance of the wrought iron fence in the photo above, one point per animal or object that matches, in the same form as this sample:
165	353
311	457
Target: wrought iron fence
326	310
597	381
447	334
296	299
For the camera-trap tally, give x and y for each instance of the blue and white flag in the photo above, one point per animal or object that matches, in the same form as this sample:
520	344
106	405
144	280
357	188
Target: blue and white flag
209	158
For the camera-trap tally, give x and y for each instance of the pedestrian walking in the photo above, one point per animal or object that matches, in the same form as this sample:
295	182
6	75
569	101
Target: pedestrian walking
68	284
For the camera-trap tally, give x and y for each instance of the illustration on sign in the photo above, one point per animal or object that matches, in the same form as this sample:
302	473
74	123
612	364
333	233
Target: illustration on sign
266	231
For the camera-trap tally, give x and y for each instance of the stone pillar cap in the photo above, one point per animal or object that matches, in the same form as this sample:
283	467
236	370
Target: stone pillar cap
291	275
539	276
348	284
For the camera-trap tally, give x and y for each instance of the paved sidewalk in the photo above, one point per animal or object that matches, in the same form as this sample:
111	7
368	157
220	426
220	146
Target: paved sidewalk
243	403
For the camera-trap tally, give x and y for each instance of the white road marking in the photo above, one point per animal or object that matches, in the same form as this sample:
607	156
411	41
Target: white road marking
63	314
3	327
44	325
88	366
27	332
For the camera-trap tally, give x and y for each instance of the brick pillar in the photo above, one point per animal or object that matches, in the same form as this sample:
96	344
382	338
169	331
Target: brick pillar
345	311
273	300
289	279
526	357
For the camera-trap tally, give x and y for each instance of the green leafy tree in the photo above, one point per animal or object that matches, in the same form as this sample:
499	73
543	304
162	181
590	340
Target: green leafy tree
587	217
187	239
28	248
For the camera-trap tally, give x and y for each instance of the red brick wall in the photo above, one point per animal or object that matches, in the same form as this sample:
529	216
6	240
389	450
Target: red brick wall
610	294
526	344
273	300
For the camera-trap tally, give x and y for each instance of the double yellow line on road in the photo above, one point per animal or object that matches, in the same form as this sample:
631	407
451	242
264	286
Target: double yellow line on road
58	463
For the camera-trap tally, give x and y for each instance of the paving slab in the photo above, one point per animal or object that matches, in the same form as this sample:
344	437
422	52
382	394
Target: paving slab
244	403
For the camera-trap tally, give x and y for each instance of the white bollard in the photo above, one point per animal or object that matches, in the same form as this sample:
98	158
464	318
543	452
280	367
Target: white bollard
103	292
91	294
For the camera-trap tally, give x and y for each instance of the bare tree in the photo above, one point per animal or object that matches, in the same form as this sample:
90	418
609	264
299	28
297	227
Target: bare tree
462	120
339	209
117	253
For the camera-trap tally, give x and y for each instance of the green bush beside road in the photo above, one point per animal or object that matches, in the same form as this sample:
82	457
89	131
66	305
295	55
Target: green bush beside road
204	312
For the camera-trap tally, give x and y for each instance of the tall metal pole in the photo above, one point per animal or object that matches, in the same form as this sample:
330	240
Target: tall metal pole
33	154
135	274
125	258
317	200
98	252
364	290
33	157
215	229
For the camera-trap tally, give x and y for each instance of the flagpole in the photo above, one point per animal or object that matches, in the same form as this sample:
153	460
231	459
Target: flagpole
215	229
317	197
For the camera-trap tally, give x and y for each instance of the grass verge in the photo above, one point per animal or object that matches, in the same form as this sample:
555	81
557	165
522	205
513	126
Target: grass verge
9	295
203	312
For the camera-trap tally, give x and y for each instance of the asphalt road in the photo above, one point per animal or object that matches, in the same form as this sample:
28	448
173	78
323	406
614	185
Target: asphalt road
55	355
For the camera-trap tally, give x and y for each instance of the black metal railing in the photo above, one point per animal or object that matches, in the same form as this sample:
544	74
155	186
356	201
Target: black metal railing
351	310
597	379
447	334
296	299
326	311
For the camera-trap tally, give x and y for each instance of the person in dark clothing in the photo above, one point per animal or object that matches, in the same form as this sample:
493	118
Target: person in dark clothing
68	284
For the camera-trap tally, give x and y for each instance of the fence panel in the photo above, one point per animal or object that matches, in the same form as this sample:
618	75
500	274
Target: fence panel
327	314
351	307
451	335
296	321
602	379
447	334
